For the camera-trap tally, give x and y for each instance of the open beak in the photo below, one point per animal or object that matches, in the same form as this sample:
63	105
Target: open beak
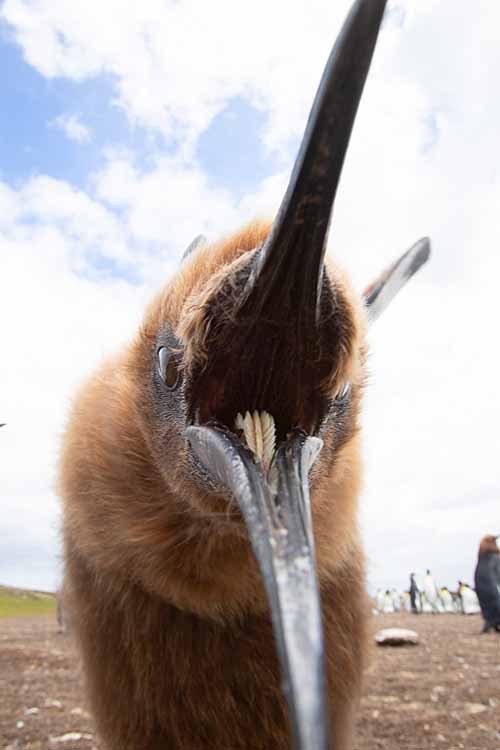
279	354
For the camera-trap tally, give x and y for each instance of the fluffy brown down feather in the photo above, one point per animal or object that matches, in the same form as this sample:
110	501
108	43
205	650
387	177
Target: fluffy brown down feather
166	600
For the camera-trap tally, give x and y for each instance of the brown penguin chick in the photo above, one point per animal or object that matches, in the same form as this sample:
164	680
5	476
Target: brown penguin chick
166	599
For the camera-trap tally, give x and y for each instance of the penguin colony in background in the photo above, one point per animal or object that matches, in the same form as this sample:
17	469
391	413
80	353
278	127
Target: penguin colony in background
198	462
464	601
430	599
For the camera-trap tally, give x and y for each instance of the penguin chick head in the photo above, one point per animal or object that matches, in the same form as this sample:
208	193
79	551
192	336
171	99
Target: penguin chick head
209	349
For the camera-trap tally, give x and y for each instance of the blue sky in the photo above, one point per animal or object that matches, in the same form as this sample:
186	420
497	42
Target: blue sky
127	130
28	144
229	150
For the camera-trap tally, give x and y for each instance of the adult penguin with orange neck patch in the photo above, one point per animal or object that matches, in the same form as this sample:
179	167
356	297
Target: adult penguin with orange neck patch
487	582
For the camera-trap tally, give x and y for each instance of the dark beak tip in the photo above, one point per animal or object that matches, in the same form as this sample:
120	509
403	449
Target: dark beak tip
291	260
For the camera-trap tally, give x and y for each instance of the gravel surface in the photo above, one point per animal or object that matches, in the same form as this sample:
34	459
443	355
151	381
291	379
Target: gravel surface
442	694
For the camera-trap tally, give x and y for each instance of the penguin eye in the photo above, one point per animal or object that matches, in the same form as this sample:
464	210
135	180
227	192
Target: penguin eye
168	368
343	394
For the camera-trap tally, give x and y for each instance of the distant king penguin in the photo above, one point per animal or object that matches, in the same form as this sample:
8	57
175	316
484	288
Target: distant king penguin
487	582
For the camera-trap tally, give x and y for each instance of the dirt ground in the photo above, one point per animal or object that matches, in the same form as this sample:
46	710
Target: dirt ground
442	694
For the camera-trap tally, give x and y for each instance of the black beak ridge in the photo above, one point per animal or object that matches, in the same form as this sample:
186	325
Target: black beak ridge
289	270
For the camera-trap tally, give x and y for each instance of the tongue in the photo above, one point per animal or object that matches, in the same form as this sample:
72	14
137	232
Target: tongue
259	434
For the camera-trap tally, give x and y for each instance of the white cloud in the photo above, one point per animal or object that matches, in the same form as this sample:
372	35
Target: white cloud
175	65
73	129
167	203
422	161
57	324
65	310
